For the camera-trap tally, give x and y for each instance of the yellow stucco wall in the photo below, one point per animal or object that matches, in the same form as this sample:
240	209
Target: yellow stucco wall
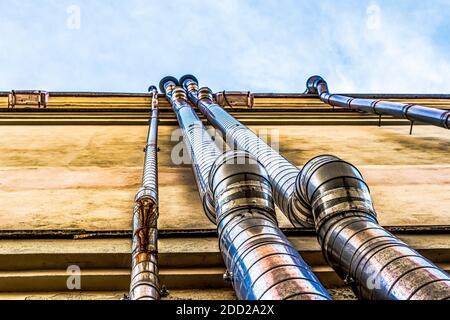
85	177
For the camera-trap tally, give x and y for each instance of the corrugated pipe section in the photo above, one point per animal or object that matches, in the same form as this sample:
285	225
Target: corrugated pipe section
262	264
202	149
333	194
282	174
145	275
436	117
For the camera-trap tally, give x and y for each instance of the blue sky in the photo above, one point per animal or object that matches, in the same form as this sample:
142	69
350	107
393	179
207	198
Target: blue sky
386	46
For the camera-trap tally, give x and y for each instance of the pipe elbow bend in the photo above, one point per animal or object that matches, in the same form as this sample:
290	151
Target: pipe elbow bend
238	179
313	82
166	82
327	181
234	166
152	89
187	80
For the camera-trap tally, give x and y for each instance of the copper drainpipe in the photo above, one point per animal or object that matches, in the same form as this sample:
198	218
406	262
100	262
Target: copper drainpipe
262	264
145	274
335	197
414	113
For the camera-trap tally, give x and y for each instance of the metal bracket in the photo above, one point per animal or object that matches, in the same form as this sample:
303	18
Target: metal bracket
158	149
349	280
228	276
164	292
28	99
235	99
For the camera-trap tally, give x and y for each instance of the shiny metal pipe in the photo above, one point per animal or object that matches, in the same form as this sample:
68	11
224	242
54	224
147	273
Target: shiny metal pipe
145	274
202	149
377	264
414	113
282	173
262	264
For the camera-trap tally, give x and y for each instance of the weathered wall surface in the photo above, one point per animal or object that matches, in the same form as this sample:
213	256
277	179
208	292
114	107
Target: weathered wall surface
85	177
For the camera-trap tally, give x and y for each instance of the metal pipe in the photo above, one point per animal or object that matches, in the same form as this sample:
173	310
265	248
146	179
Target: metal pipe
262	264
375	262
145	274
282	174
411	112
203	151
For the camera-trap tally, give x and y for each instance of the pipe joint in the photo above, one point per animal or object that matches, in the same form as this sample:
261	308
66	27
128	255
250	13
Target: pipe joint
145	284
145	227
179	94
322	169
168	84
234	166
146	194
189	83
332	186
205	94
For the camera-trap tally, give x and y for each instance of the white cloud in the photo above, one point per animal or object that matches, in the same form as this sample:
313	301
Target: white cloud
231	44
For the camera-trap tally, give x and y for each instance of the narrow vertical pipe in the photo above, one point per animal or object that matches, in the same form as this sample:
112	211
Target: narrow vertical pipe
145	274
262	264
203	151
411	112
